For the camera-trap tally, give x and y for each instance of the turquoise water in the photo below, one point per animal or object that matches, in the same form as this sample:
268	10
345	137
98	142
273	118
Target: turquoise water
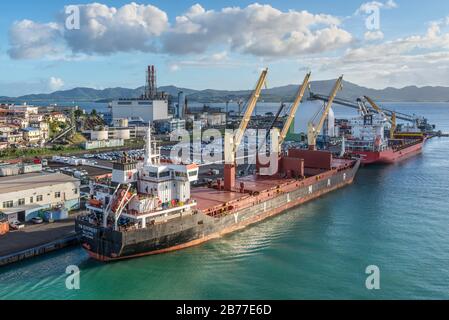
395	217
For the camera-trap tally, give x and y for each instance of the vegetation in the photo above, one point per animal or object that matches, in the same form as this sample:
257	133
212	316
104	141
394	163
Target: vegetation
134	143
12	153
77	138
55	127
78	113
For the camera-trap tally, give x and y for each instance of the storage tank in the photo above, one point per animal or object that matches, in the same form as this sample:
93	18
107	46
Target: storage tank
181	104
121	122
99	135
306	111
330	130
9	170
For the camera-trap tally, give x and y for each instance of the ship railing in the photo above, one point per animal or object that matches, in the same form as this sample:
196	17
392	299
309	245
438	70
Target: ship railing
410	142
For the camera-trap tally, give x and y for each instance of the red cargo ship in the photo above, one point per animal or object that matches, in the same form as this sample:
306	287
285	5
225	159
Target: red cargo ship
406	149
368	141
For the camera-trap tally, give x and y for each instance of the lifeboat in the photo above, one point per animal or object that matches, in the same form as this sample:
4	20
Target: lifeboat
119	199
95	203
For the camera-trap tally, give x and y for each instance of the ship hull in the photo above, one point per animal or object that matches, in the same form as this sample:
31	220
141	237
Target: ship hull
389	156
194	228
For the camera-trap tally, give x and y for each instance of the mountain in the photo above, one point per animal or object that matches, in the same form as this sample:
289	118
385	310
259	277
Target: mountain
286	93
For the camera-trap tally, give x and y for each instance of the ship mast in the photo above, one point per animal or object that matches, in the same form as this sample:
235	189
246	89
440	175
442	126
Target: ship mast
148	153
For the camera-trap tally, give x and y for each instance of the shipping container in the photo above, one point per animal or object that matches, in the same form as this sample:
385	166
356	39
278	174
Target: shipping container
29	168
4	227
9	170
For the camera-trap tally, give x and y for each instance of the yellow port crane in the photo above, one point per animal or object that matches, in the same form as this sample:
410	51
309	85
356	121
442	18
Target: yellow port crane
391	119
232	142
314	131
294	108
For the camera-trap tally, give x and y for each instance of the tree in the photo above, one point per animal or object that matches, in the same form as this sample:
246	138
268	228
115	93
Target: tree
78	113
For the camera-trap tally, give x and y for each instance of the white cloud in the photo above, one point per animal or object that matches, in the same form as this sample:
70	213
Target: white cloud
259	30
399	62
31	40
106	30
103	30
390	4
374	35
368	7
205	61
54	84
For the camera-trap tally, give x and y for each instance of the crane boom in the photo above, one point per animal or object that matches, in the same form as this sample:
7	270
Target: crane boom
314	131
232	142
249	111
391	119
294	108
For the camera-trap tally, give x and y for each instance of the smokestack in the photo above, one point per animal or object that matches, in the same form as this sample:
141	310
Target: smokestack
151	86
181	104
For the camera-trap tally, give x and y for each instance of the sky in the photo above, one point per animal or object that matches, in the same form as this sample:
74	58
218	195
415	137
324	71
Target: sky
58	45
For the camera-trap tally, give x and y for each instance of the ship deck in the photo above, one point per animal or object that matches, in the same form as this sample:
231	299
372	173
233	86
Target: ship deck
208	198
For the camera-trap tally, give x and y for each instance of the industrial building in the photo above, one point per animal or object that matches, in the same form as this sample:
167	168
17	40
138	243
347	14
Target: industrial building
169	125
151	106
140	110
23	197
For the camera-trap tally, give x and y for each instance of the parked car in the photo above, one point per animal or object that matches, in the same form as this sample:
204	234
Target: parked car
16	225
37	220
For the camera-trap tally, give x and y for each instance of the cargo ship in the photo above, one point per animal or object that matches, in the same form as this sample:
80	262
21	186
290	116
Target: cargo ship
150	208
397	149
372	140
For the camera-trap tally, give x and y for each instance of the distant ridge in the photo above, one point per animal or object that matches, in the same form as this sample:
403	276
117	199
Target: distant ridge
286	93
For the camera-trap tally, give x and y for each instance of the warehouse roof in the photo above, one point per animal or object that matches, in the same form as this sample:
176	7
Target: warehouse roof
32	181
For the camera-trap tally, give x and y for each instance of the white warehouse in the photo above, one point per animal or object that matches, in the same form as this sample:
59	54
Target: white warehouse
140	110
22	197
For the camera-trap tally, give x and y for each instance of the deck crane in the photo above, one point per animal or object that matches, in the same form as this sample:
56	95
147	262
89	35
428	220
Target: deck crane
313	131
269	128
391	119
291	112
294	108
232	141
362	107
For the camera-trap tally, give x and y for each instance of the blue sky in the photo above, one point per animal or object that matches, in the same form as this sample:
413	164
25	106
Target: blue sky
218	48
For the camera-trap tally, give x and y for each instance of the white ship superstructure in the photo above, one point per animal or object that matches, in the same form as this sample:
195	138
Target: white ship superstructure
368	133
141	193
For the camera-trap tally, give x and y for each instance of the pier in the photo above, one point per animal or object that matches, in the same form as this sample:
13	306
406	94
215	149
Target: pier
36	240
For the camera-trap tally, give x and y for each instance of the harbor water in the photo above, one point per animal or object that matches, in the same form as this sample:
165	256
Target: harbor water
394	217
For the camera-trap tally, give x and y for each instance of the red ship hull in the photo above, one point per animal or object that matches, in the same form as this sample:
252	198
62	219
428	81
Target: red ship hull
389	155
